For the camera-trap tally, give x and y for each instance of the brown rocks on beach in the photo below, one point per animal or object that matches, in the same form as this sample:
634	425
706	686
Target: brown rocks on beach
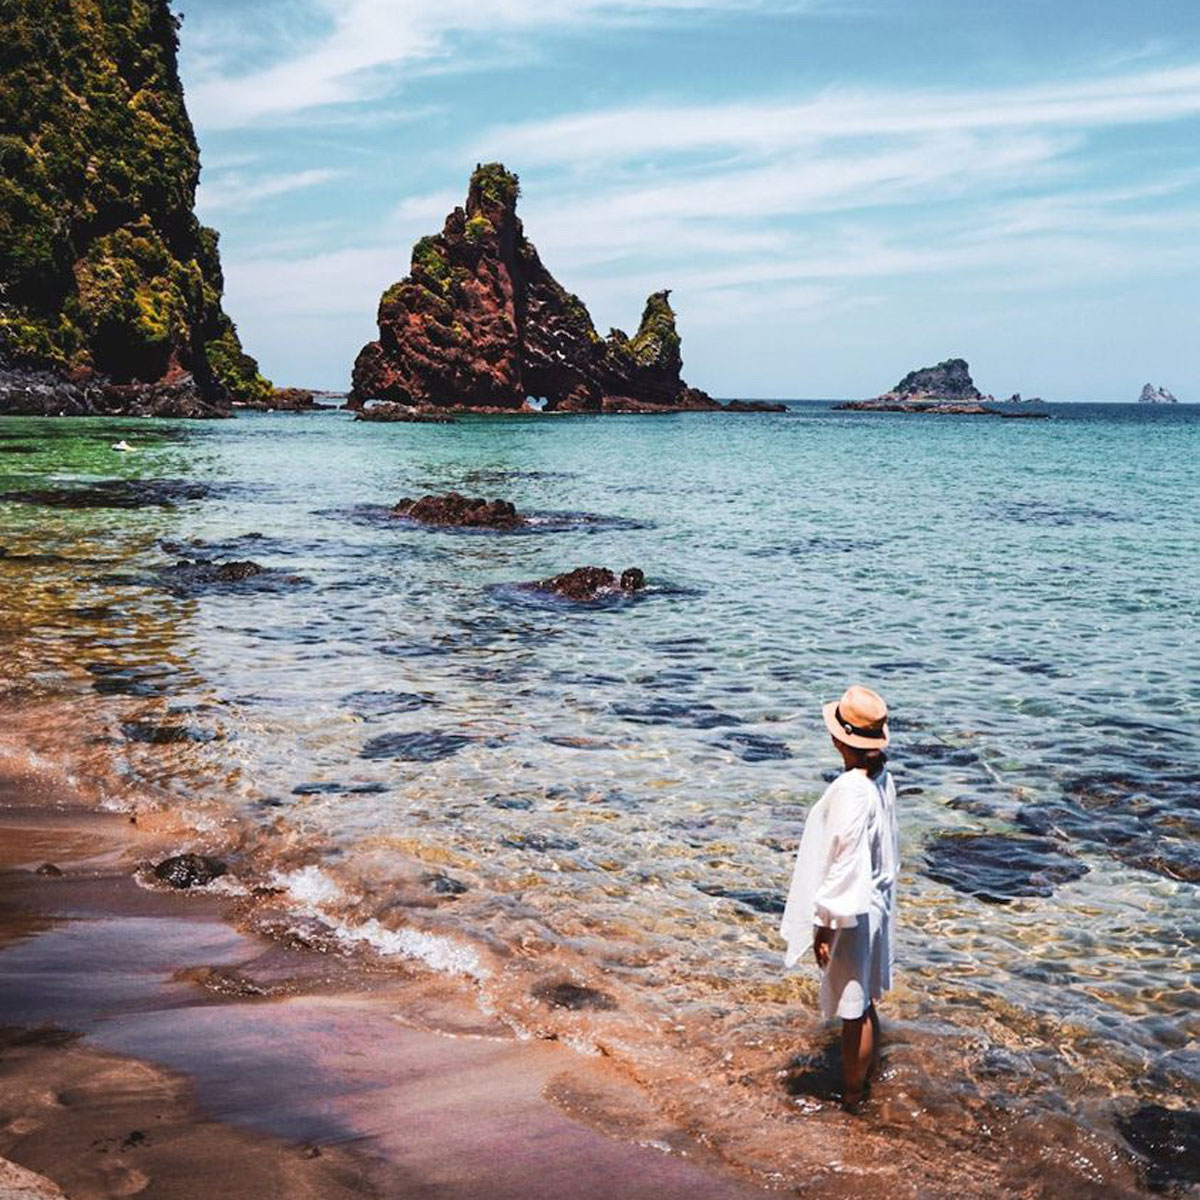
456	509
589	583
389	411
480	324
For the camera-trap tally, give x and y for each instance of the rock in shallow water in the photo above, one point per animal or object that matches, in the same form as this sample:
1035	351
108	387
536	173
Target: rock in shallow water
590	583
1169	1141
997	868
456	509
421	746
189	870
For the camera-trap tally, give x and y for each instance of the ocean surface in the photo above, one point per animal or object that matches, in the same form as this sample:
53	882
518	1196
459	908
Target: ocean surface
429	761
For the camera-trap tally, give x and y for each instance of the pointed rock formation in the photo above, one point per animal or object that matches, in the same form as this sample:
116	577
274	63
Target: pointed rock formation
479	323
1156	395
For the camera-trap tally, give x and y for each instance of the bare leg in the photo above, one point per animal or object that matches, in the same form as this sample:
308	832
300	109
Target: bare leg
858	1054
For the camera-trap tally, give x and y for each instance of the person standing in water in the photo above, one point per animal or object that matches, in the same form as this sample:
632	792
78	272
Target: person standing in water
842	901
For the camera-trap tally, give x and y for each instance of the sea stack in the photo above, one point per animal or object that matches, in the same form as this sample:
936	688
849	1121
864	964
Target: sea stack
480	324
1156	395
110	289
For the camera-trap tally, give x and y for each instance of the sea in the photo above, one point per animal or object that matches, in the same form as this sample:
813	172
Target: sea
583	816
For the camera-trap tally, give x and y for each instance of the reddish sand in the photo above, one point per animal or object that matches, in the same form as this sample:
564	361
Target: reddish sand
148	1047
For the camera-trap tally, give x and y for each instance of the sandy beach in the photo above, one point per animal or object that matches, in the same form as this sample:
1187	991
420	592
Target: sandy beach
152	1048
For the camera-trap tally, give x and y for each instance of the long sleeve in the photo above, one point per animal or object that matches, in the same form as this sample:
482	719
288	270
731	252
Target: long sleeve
844	890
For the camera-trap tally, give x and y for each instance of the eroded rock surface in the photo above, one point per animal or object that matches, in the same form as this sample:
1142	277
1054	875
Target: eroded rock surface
189	870
479	323
456	509
590	583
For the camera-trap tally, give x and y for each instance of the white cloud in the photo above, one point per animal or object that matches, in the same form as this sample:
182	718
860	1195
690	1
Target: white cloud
357	49
225	190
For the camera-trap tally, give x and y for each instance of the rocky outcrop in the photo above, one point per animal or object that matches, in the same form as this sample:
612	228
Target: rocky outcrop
945	390
455	509
1156	395
590	583
480	324
755	406
288	399
110	289
189	870
387	411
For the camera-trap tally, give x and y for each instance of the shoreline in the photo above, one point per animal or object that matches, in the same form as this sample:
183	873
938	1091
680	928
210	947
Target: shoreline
148	1044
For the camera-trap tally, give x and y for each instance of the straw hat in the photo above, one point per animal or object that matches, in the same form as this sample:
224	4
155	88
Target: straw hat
859	718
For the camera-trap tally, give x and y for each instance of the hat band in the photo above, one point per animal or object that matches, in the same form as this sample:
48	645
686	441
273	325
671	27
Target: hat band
870	731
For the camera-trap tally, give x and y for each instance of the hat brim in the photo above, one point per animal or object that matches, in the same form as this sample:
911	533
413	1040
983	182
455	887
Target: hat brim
829	712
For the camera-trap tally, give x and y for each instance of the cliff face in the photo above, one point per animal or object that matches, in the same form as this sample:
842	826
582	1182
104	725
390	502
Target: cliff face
480	323
107	276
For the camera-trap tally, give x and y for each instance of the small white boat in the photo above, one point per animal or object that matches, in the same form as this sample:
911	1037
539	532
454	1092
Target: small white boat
123	445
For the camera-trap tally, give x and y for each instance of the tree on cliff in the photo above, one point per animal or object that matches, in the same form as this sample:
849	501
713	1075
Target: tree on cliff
103	265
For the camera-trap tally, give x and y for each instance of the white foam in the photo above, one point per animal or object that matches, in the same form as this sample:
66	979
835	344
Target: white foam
309	886
440	953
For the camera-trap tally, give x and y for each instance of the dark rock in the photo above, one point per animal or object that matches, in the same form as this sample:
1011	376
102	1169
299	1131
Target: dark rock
190	577
755	747
1168	1141
163	735
404	414
944	390
455	509
588	583
668	712
949	380
49	869
444	885
539	841
573	996
284	400
381	703
754	406
763	902
189	870
414	747
480	324
997	868
1149	822
113	493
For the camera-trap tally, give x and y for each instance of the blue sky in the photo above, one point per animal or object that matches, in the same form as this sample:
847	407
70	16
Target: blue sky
837	192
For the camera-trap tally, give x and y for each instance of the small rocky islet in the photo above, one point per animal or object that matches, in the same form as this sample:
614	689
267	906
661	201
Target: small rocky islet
946	389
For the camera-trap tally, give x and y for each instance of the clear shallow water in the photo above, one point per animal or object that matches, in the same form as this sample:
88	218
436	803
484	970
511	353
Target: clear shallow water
621	788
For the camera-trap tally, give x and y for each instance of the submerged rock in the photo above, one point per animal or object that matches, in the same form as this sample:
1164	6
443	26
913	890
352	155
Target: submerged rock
189	870
997	868
480	324
589	583
1168	1140
50	869
422	746
573	996
455	509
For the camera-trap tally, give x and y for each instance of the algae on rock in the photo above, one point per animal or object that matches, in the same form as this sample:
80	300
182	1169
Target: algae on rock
106	271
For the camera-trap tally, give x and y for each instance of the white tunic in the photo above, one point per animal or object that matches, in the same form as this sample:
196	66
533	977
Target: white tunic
845	879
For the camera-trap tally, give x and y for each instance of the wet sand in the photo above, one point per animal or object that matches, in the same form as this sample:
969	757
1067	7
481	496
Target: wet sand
150	1047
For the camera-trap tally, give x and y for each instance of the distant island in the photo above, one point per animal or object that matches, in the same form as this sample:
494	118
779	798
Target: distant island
110	289
479	324
946	389
1156	395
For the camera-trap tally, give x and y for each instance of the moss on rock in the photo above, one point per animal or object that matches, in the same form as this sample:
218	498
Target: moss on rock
104	265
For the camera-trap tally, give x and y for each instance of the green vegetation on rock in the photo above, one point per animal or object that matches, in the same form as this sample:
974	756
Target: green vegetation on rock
104	264
656	342
492	184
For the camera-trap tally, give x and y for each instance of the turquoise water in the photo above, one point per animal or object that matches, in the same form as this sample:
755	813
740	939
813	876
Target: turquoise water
620	787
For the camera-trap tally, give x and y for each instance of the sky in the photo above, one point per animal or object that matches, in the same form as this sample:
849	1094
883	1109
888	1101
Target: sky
836	191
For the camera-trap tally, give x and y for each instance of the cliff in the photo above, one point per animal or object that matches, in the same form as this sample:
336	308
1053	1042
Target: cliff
110	289
480	323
